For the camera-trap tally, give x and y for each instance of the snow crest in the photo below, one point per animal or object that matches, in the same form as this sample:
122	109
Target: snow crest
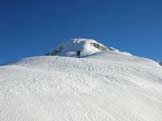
109	86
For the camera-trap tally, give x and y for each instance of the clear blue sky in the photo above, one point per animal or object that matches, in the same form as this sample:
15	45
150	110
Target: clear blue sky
33	27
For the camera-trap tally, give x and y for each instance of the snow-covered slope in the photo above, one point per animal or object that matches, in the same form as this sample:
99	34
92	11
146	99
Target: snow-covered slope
105	86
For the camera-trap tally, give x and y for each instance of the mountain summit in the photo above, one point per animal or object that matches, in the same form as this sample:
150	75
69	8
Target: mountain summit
85	46
108	86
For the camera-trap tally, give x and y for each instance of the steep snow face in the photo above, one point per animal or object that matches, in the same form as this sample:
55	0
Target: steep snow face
85	46
106	86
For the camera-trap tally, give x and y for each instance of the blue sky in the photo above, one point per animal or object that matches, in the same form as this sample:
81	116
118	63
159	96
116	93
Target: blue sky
33	27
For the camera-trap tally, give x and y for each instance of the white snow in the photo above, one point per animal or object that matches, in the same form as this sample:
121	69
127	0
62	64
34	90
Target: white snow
86	46
101	86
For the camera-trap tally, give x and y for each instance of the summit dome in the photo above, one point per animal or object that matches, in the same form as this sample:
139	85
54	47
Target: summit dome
85	46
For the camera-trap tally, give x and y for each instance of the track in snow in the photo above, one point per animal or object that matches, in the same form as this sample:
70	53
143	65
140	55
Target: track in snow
104	87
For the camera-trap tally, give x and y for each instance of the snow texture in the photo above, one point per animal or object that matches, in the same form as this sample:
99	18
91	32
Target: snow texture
103	85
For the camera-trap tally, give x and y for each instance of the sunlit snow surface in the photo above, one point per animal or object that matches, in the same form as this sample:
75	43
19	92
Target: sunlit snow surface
108	86
86	46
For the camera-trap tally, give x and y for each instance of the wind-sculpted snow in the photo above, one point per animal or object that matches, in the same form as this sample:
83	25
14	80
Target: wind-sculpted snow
103	87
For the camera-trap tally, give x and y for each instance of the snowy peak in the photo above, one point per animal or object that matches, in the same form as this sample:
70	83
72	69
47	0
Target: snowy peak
109	86
85	46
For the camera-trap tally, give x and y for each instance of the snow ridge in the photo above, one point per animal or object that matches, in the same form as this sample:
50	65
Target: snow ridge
106	85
